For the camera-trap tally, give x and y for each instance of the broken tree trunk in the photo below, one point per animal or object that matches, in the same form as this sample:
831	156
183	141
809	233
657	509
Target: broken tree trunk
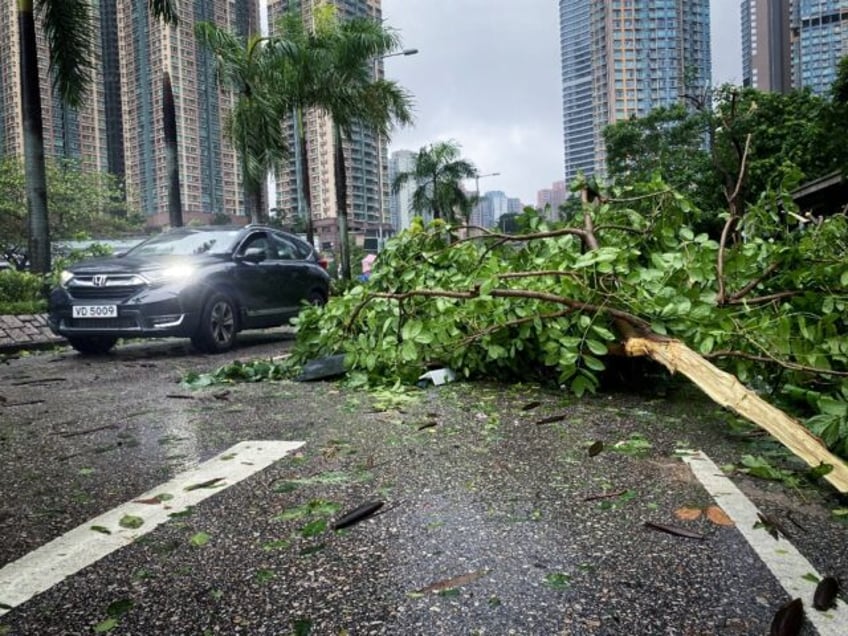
730	393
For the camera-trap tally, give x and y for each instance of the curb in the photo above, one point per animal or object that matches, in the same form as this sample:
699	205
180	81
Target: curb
26	332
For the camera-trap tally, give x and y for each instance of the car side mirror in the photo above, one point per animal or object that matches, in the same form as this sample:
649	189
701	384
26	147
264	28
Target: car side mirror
254	255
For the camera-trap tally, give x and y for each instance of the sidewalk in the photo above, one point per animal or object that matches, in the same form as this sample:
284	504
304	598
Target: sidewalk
29	331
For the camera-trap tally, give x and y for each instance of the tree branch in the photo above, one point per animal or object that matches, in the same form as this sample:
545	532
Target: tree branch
750	286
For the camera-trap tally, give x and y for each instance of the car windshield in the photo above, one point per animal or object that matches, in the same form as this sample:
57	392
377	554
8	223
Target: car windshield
187	242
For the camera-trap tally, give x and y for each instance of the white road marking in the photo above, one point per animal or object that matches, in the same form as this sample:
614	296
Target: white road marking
787	564
50	564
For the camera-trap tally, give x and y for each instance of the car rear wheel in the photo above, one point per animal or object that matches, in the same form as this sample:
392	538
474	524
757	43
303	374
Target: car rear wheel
92	345
216	332
317	299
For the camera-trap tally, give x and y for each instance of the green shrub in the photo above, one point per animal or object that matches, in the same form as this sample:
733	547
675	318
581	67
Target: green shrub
20	287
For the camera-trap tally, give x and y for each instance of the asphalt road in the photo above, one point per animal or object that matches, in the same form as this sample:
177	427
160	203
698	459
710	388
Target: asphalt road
499	515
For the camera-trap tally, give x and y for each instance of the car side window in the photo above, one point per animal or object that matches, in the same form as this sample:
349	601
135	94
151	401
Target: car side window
261	241
289	249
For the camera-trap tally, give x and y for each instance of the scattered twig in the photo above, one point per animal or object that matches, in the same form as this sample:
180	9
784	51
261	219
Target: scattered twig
178	396
604	495
28	402
360	513
680	532
88	430
38	381
456	581
551	419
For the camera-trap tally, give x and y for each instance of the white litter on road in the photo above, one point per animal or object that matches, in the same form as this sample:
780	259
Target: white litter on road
789	566
53	562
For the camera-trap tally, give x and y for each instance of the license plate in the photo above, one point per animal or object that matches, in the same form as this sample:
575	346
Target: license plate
95	311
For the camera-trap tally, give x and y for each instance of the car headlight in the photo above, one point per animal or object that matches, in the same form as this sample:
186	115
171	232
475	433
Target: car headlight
169	274
65	277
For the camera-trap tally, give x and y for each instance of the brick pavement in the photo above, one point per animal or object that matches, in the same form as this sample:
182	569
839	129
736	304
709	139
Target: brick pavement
26	332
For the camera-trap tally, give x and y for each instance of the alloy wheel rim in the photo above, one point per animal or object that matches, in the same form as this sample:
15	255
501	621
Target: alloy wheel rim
222	322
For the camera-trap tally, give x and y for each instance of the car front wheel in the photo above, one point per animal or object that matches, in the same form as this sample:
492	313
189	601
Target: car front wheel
92	345
216	332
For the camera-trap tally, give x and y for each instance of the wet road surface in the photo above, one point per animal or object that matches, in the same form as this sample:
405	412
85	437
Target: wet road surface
496	517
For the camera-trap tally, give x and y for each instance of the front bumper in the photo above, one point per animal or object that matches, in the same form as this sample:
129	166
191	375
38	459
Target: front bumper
149	313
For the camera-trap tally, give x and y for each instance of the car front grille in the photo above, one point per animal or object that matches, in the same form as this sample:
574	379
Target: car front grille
101	323
116	287
102	293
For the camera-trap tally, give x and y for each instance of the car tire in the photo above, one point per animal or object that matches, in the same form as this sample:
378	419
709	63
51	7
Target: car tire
316	299
92	345
216	332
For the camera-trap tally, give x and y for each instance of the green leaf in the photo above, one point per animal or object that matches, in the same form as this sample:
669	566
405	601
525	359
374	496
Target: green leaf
313	528
131	521
199	540
106	626
120	607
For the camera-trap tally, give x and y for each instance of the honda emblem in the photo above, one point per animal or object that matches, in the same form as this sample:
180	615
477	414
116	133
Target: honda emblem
99	280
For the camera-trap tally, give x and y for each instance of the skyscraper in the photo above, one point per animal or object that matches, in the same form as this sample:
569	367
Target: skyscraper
400	202
766	45
365	153
624	58
78	135
819	39
119	128
788	44
209	167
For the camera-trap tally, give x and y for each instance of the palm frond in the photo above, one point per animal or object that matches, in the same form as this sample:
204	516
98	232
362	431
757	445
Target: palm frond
68	29
164	9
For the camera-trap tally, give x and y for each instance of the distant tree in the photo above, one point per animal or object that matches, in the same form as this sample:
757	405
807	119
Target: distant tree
81	203
255	125
438	172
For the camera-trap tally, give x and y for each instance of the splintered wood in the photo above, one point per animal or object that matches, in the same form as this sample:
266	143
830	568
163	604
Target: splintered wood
730	393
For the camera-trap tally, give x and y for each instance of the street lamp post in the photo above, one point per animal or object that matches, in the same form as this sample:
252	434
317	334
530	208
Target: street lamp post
381	184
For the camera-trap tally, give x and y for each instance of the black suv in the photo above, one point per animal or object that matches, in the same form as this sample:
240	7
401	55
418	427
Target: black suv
205	283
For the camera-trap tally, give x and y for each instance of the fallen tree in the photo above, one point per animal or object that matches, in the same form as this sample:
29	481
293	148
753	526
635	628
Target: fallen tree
627	276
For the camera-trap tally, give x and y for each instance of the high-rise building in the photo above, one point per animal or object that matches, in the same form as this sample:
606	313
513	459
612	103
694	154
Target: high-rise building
119	128
766	59
789	44
365	152
209	166
819	40
622	59
400	202
552	198
79	135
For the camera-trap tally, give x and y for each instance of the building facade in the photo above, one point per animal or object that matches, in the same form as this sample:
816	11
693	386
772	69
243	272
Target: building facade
790	44
77	135
766	51
365	152
119	128
622	59
400	202
210	177
819	39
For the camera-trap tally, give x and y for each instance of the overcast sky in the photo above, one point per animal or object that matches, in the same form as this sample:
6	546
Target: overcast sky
488	76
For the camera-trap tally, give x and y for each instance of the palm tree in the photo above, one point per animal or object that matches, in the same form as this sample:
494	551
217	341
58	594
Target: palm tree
330	67
438	172
255	124
69	31
360	100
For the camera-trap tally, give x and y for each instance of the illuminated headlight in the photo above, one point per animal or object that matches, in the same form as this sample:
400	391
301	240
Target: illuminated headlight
169	274
65	277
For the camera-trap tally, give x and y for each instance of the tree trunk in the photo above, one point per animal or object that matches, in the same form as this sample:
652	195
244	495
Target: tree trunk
730	393
306	190
36	179
341	202
172	166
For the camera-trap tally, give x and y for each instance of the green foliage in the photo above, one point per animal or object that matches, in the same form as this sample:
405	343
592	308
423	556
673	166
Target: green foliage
80	202
542	306
19	287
